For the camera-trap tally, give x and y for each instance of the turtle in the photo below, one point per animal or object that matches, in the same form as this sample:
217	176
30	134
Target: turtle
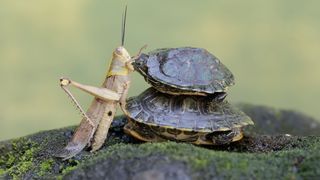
184	71
203	120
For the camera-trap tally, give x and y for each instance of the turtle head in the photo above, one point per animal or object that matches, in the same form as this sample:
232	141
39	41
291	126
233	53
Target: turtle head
140	64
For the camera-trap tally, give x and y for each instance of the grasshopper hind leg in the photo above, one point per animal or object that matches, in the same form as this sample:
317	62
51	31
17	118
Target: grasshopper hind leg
104	125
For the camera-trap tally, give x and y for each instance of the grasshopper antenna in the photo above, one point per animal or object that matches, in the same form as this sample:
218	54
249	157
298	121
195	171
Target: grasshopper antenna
124	17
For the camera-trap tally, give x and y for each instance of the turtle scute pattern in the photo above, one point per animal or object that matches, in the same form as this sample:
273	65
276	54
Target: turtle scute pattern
185	113
185	69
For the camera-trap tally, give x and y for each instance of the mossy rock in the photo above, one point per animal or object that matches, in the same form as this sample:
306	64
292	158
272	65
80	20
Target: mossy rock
266	152
273	121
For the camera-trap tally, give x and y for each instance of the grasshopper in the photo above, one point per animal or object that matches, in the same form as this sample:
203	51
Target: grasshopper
96	121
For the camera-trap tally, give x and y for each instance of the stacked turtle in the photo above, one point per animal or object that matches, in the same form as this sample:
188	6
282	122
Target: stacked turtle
186	101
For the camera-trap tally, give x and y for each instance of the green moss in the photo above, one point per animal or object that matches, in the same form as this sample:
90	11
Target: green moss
32	157
74	165
230	165
16	172
290	163
20	159
2	171
45	167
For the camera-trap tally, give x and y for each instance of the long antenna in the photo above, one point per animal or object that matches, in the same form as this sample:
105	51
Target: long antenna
124	17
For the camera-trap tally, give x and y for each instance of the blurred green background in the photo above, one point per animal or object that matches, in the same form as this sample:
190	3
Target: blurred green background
272	47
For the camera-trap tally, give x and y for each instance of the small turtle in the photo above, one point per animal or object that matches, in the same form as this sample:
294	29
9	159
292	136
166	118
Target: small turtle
185	70
204	120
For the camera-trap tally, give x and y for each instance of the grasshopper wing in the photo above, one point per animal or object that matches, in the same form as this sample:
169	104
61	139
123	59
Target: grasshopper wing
79	141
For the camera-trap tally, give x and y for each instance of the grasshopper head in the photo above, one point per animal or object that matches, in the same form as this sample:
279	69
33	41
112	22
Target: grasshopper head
119	62
122	54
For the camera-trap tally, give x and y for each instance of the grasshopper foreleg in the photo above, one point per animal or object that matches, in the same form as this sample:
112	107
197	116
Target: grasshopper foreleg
101	93
75	102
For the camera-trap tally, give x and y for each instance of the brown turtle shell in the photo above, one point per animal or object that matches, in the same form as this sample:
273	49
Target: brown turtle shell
186	113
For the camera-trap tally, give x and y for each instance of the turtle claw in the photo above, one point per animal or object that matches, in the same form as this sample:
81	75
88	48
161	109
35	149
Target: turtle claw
220	96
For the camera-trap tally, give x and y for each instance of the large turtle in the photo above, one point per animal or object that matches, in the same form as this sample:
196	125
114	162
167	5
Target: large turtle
185	70
206	120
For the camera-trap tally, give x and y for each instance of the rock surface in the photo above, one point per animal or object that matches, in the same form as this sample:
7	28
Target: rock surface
266	152
274	121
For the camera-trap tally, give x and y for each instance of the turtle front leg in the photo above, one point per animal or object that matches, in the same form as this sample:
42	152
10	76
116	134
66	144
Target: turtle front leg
226	137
